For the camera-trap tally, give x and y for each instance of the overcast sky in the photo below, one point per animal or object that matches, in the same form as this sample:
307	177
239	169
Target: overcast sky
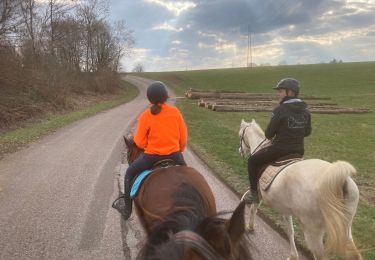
203	34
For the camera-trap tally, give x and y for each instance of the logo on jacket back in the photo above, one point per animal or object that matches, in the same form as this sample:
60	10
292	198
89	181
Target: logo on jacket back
296	121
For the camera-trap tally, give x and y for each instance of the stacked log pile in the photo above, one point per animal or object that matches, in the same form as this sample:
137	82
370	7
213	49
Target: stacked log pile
235	101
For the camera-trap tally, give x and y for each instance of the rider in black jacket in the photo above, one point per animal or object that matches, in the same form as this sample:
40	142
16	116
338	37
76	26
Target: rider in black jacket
290	123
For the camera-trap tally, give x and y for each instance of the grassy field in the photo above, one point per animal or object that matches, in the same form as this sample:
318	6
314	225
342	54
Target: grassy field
11	141
214	135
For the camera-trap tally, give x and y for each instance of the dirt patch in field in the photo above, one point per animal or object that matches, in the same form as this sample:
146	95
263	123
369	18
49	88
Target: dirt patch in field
367	191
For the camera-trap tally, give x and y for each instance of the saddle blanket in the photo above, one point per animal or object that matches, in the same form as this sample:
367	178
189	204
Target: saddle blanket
138	182
272	171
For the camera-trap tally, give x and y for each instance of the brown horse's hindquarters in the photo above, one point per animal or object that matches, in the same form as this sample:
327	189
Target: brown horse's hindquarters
157	195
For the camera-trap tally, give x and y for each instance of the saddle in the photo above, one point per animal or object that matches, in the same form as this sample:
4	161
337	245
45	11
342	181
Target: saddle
268	172
143	175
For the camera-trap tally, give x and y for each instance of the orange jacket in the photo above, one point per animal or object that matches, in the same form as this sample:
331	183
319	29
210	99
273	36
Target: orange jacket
162	134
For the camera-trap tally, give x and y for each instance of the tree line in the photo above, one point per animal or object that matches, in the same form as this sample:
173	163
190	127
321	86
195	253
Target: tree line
52	47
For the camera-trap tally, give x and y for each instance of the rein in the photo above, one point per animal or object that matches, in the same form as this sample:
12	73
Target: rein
197	243
259	145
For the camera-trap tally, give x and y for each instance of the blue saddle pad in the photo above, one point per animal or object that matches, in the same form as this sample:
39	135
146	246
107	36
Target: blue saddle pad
138	182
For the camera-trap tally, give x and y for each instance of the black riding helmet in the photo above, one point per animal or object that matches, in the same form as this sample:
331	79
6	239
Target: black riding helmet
157	93
288	83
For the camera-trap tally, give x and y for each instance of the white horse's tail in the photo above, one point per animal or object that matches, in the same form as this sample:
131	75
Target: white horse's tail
336	214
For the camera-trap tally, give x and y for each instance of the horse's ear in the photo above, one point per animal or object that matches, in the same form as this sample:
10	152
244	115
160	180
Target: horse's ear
127	142
236	225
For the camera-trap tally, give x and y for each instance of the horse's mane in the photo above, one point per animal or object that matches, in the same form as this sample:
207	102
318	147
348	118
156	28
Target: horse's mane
190	211
257	128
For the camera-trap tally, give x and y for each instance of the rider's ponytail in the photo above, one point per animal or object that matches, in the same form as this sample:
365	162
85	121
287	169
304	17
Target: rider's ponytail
155	109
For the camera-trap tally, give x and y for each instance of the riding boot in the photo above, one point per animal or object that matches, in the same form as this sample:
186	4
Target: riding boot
123	203
128	201
252	196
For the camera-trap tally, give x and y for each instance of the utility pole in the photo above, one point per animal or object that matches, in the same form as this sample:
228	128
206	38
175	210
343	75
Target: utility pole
248	45
251	56
249	53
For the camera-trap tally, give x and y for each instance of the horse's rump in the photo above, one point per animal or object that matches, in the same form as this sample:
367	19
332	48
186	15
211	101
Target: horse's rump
156	197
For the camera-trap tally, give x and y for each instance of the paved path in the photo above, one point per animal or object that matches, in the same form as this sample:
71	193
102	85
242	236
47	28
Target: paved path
55	195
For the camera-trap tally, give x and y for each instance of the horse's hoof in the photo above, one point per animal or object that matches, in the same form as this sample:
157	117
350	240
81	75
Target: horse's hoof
250	229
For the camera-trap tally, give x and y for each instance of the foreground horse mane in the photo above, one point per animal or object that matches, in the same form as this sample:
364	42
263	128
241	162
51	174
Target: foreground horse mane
190	214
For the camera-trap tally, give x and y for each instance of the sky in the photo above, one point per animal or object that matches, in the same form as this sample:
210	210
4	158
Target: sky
208	34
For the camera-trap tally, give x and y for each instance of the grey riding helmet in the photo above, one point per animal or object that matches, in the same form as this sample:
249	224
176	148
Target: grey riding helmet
157	93
288	83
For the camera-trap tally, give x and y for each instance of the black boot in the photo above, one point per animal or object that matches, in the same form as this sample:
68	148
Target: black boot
123	203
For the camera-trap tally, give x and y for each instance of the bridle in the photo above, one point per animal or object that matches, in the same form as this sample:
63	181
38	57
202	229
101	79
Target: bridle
242	141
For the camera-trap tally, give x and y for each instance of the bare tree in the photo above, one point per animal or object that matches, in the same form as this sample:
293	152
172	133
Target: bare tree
124	42
91	12
138	67
8	17
68	43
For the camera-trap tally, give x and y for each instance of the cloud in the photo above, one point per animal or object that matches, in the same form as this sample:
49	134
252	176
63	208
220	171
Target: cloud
177	7
167	26
204	33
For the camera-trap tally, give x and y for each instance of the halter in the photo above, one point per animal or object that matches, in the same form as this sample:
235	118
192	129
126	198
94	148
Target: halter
198	244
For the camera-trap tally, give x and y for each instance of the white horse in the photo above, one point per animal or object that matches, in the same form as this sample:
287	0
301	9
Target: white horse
322	195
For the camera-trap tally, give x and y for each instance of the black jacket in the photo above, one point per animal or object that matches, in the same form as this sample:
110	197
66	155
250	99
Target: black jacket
290	123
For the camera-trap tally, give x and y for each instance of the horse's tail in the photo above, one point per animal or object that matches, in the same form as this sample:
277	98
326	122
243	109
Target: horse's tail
336	214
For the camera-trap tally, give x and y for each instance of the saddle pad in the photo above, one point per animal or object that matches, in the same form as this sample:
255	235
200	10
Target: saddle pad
138	182
271	172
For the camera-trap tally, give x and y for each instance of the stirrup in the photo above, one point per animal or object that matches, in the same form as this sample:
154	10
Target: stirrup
122	207
115	203
250	198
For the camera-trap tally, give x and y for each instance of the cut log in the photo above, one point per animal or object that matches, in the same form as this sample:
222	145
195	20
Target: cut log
196	95
340	110
228	108
316	110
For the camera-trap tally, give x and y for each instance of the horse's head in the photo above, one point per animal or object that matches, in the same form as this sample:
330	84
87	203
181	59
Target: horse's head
133	151
226	237
214	239
251	136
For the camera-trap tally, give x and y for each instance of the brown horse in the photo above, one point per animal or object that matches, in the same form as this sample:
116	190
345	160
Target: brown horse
177	209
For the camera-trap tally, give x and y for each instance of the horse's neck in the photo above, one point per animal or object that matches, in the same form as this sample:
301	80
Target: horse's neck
254	138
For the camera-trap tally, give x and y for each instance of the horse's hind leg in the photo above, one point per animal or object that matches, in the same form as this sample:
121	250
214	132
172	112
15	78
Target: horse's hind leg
314	241
352	252
351	201
290	230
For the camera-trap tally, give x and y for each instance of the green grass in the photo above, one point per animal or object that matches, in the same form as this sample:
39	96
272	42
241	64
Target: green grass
13	140
335	137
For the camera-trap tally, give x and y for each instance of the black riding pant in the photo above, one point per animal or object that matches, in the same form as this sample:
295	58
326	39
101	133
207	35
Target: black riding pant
262	157
146	161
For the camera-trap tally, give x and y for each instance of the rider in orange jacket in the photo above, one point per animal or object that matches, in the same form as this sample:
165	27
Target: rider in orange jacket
162	133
